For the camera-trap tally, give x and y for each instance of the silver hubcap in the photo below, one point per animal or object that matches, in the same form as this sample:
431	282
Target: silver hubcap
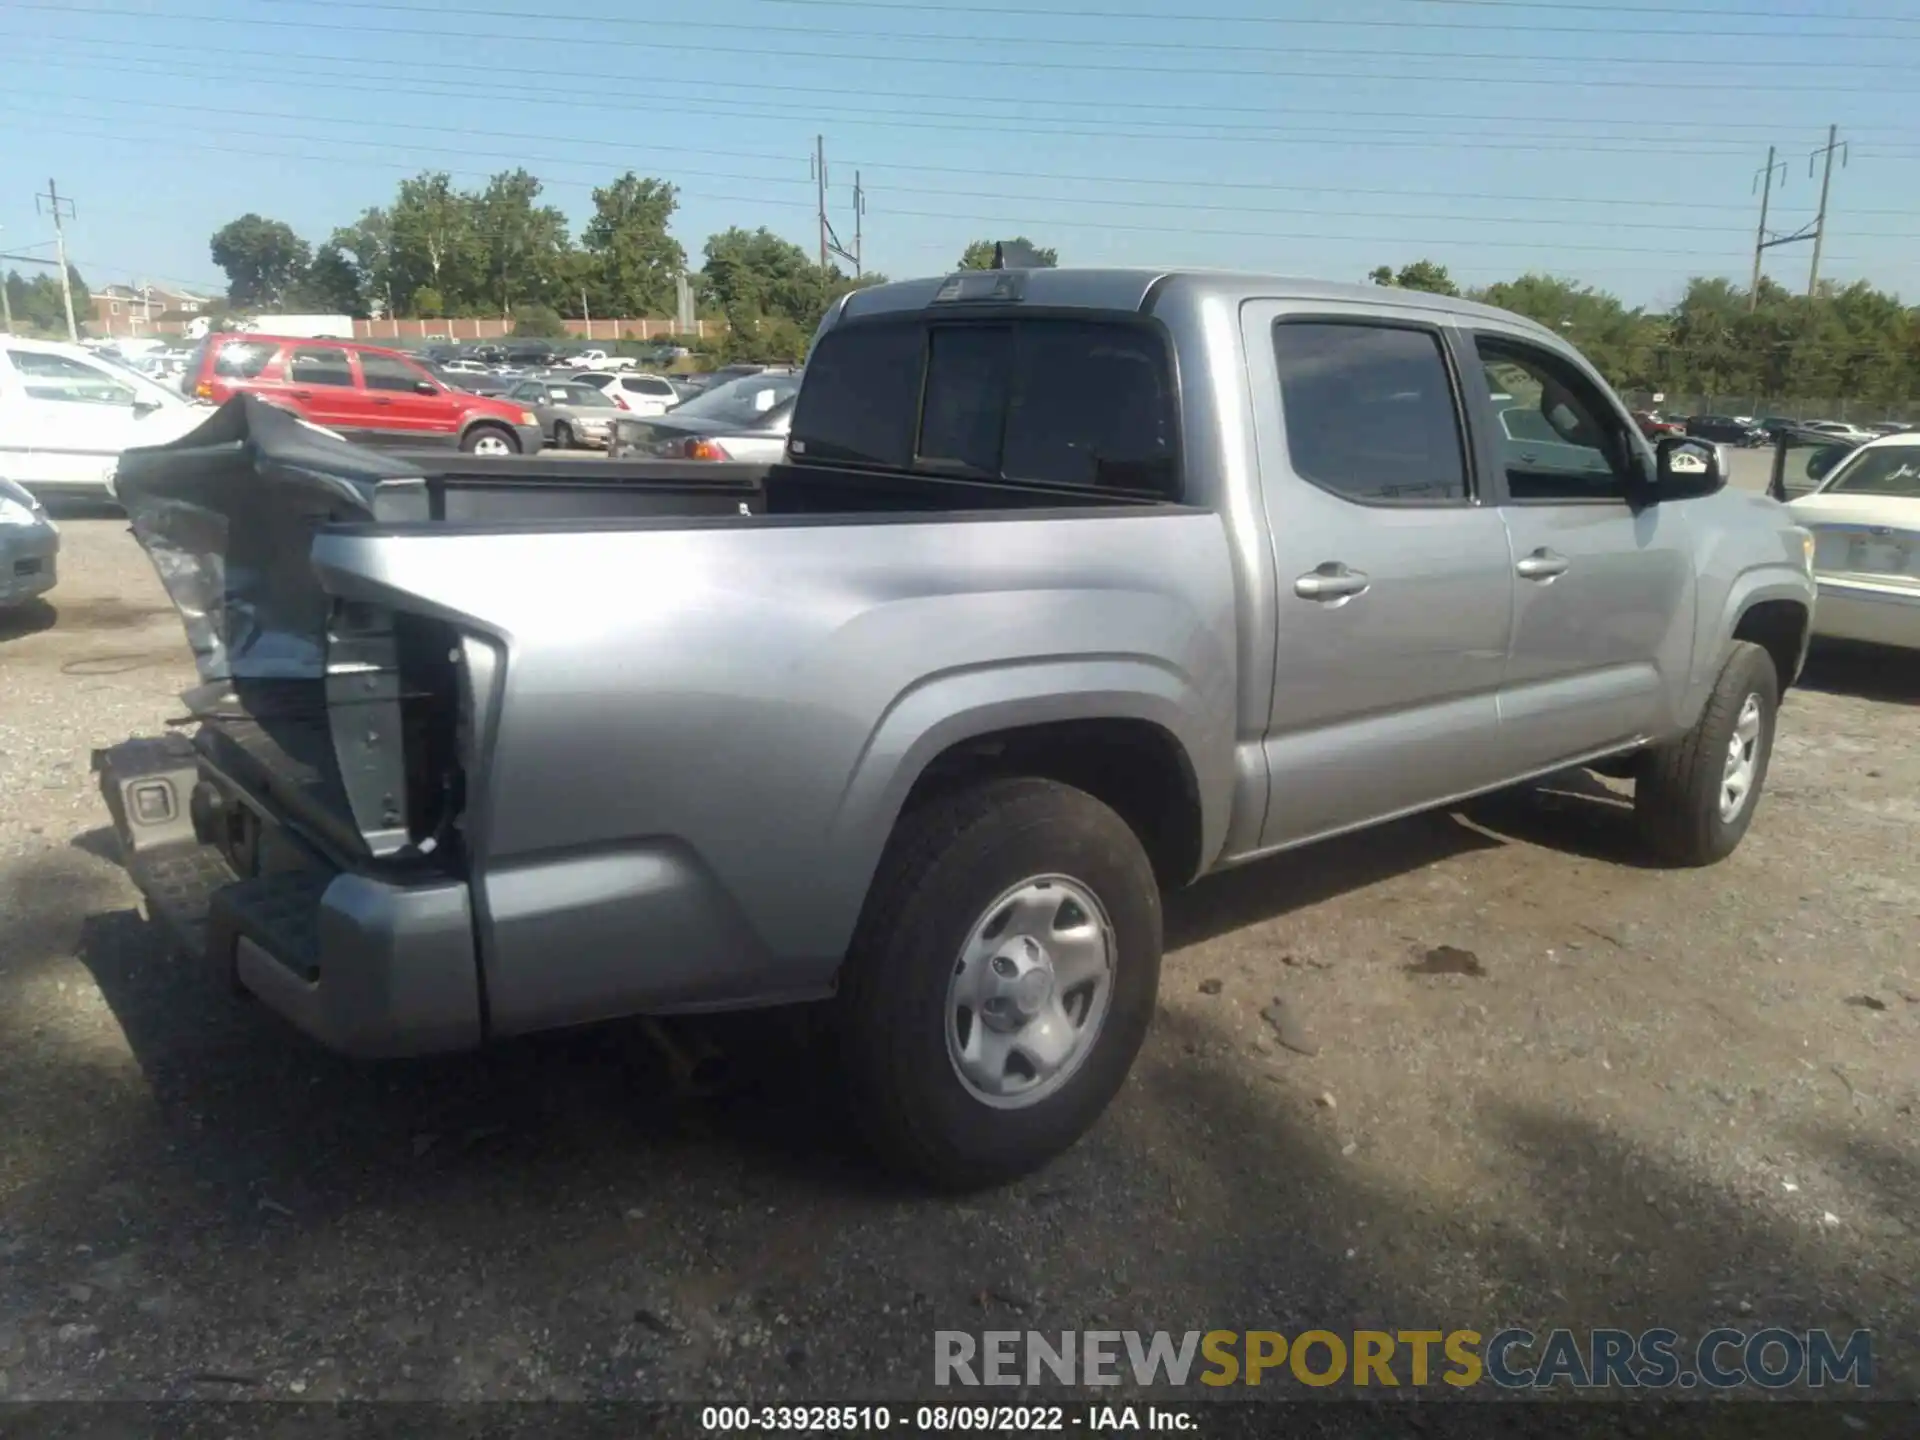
1743	758
1030	991
491	445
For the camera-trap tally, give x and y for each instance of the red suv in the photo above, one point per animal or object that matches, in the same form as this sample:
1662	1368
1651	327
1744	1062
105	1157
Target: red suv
366	393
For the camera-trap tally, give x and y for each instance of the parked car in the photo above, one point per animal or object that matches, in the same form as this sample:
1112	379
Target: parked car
533	356
1653	425
365	392
591	360
66	415
1865	518
744	419
1725	430
1076	584
569	414
1841	429
29	546
1890	427
1775	425
637	394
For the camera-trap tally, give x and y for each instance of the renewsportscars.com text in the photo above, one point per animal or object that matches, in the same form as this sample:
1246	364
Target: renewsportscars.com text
1511	1359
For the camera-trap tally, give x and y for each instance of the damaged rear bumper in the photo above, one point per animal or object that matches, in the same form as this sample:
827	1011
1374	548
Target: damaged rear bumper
366	965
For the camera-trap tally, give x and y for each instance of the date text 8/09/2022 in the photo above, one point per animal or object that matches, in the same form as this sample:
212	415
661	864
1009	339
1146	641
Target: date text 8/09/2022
940	1419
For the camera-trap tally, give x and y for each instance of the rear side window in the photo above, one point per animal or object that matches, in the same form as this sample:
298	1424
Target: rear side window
1059	402
241	359
319	365
1370	411
861	396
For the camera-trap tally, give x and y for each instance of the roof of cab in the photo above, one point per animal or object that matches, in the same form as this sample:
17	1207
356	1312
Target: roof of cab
1071	288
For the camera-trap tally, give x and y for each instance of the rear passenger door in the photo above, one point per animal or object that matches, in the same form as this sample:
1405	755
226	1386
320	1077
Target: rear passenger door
1604	579
318	382
1394	580
399	406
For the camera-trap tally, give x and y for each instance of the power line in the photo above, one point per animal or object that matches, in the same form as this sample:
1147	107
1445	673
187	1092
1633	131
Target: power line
1172	227
1662	129
901	189
1174	17
1612	9
469	12
787	53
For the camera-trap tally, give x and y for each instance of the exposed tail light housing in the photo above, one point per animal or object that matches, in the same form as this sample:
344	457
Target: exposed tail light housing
706	450
620	400
203	390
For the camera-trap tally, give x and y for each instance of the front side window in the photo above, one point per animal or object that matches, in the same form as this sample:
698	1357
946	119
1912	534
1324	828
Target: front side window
389	372
319	365
1370	411
1558	438
58	377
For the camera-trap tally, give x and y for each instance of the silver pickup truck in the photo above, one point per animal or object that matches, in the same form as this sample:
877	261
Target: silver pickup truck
1074	585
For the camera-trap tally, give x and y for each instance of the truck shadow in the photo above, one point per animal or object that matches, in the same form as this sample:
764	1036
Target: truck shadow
1866	671
278	1194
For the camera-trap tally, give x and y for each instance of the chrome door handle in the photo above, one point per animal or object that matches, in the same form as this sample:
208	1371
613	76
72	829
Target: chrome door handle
1542	564
1331	581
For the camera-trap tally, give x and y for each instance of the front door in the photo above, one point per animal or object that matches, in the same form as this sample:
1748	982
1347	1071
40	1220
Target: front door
1603	610
1395	583
398	406
74	418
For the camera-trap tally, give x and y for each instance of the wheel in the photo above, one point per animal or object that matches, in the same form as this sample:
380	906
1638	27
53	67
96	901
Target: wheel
490	440
1000	981
1697	794
562	435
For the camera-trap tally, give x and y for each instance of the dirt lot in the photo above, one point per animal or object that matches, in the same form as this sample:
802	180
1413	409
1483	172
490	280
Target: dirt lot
1680	1099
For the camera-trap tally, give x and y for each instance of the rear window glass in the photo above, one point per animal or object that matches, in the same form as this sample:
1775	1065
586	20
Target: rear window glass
1893	472
242	359
862	395
1059	402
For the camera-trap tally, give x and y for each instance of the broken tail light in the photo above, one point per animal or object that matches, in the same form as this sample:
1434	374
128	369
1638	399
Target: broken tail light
706	450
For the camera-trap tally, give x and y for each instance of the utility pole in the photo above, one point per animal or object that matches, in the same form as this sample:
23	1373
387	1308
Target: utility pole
859	215
1765	181
1826	179
61	209
6	302
820	193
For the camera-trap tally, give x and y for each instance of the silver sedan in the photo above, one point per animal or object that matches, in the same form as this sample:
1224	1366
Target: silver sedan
29	545
570	413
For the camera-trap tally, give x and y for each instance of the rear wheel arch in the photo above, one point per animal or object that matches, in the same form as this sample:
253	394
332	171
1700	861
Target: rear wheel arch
1136	767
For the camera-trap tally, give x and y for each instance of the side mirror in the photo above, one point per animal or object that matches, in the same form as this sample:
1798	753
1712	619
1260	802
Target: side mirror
1686	467
425	387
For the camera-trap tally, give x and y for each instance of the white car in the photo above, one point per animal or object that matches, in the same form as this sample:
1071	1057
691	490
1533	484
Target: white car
641	394
593	360
1865	519
65	416
1840	429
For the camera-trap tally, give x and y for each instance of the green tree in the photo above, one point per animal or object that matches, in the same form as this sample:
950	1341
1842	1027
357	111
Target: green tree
538	322
367	247
332	284
1622	343
526	244
37	303
979	254
630	261
1424	275
427	303
263	259
432	239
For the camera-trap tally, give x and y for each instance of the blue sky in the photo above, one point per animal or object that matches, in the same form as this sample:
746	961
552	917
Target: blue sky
1615	143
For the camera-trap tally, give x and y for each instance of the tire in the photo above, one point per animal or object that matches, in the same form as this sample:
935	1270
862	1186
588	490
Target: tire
951	865
562	436
485	440
1678	800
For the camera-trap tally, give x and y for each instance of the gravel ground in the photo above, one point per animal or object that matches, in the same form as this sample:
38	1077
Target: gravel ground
1640	1098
